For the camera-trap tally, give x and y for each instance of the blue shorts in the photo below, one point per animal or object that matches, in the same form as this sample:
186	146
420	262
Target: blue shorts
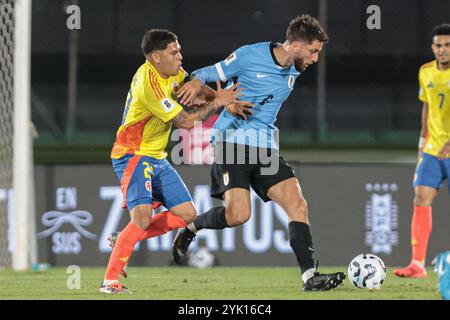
431	171
144	179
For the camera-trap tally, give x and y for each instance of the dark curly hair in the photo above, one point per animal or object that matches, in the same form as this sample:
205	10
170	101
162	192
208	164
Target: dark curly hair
306	28
157	39
441	30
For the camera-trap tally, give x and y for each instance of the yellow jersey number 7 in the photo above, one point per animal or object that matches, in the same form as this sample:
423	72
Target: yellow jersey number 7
441	104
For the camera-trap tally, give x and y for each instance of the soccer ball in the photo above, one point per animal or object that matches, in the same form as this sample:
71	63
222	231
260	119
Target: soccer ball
367	271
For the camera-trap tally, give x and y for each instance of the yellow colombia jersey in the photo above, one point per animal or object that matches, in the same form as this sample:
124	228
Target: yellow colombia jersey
435	91
149	109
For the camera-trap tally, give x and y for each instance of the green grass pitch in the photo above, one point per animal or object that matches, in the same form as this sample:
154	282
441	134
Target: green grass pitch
220	283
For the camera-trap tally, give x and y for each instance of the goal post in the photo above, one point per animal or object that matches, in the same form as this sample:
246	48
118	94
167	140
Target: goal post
23	182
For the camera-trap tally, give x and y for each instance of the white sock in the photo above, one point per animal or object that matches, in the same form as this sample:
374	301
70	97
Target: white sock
191	227
108	282
419	263
308	274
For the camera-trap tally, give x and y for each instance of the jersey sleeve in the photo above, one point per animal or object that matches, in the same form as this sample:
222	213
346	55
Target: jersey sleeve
158	101
422	92
224	70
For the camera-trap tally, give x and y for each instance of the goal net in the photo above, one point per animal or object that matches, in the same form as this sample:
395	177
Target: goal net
16	164
6	124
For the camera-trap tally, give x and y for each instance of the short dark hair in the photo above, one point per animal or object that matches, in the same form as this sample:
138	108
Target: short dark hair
441	30
306	28
157	39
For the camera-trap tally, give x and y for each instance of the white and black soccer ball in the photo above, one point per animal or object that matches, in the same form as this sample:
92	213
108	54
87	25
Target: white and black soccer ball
367	271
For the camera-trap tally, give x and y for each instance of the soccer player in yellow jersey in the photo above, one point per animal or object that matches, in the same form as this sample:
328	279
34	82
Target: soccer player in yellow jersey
138	154
434	147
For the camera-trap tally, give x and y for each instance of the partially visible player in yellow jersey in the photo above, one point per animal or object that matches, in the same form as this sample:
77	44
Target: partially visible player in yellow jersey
139	156
434	147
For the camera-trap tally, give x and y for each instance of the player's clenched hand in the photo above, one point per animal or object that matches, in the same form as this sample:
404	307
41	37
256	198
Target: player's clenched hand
444	153
227	96
240	109
189	91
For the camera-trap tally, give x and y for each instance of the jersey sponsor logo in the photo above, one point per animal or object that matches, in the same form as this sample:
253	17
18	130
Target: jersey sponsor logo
430	84
260	75
291	81
226	178
232	57
167	104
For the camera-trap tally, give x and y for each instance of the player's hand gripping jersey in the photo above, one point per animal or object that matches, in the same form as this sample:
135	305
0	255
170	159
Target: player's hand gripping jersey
267	85
435	91
151	104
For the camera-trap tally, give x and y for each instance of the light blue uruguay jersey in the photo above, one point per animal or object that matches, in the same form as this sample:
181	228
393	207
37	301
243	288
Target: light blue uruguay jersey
267	85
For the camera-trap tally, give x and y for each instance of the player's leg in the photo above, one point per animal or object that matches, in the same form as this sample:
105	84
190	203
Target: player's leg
428	178
288	195
169	188
230	182
136	189
237	211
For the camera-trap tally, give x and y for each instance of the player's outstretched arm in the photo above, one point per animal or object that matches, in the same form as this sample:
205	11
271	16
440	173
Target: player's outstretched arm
240	109
223	97
204	75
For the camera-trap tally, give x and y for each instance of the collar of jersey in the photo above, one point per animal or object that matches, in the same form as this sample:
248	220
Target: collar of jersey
155	71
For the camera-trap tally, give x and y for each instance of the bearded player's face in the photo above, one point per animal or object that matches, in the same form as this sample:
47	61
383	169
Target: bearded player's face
306	54
170	59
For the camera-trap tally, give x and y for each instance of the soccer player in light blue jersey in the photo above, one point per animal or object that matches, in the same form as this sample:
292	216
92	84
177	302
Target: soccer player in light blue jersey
245	139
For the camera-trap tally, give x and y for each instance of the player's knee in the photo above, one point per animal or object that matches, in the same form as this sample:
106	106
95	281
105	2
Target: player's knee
236	216
189	216
141	217
298	209
421	200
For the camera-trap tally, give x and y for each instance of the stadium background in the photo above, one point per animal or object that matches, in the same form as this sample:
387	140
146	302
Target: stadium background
343	156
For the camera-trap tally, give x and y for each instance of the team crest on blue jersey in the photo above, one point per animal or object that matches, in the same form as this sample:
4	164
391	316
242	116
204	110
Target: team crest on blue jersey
291	81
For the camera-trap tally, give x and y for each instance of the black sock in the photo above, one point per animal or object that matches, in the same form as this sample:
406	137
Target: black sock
301	242
212	219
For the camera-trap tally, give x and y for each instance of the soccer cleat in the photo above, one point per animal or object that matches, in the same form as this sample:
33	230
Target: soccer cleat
115	287
324	282
411	271
112	241
442	267
181	244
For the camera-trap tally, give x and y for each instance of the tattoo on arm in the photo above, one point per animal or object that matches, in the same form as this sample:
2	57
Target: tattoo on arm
205	112
186	119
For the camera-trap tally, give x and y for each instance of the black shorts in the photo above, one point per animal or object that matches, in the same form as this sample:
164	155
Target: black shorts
260	168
